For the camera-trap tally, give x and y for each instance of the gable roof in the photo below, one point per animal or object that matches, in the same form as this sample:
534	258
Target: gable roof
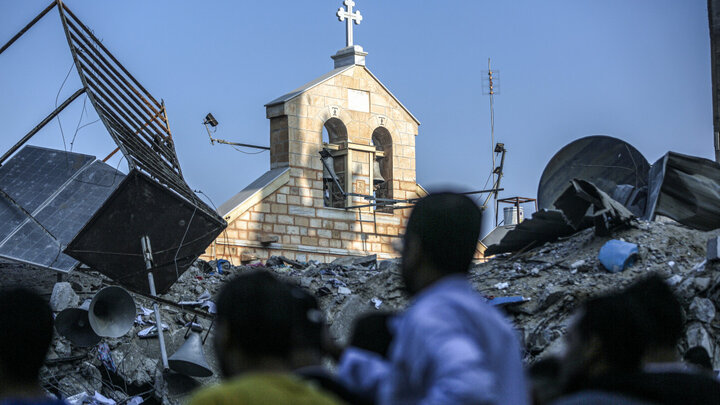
329	75
263	186
309	85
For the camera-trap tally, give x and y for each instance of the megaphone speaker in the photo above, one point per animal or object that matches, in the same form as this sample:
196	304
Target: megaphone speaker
189	359
112	312
74	324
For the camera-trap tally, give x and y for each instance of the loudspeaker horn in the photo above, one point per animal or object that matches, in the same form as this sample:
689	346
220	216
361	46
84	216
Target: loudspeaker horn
189	359
112	312
74	324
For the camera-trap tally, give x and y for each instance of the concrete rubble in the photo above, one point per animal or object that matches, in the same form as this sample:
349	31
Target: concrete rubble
555	277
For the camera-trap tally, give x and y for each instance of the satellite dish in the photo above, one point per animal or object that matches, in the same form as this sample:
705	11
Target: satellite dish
605	161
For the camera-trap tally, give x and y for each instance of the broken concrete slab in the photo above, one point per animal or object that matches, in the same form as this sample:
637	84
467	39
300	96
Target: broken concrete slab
349	261
63	296
702	309
581	206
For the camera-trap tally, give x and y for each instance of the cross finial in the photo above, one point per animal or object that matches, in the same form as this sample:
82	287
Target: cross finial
350	17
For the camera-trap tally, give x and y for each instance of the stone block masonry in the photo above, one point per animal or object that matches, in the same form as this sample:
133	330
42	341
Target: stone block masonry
293	218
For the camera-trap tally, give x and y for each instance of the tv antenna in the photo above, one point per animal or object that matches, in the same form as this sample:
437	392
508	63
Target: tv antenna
491	87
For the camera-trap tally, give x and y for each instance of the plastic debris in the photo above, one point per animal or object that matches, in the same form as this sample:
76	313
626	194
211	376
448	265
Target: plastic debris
344	291
210	306
150	332
105	357
500	301
220	264
102	400
502	286
616	255
377	302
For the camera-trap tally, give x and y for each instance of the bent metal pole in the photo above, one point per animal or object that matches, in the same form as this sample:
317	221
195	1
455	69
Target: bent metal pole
147	255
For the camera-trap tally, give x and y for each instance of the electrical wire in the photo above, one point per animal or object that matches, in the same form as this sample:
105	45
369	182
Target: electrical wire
77	128
248	153
177	271
57	96
224	255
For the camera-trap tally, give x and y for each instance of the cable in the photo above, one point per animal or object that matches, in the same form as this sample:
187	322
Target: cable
56	105
115	176
77	127
248	153
224	256
177	272
89	123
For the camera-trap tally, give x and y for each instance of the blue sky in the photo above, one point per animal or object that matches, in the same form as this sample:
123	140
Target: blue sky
638	70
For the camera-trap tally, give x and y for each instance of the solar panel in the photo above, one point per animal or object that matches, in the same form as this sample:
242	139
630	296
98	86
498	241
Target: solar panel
46	197
179	232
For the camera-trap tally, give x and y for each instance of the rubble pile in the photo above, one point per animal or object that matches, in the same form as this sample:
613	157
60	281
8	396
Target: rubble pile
558	276
552	279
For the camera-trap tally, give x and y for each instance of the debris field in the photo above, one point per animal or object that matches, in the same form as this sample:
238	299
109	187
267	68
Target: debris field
552	279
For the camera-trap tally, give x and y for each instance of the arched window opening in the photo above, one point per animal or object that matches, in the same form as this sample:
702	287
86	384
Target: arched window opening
334	133
382	173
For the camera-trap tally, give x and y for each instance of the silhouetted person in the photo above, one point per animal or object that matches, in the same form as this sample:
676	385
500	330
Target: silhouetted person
450	346
662	323
255	338
309	330
646	367
544	377
26	329
602	341
371	332
699	358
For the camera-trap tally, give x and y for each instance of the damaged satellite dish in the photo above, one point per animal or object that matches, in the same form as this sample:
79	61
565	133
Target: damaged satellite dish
612	165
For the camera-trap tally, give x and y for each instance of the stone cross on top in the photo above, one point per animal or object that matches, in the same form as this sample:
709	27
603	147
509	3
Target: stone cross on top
351	17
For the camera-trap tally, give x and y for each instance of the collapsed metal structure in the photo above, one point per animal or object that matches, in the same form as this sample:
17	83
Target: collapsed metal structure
153	200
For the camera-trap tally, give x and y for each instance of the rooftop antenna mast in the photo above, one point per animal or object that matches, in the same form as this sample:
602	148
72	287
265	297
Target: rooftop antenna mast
491	93
495	149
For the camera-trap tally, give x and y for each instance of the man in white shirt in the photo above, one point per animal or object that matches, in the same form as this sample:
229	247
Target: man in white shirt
450	346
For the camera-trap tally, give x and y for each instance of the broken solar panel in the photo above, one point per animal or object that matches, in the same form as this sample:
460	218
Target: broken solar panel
46	197
178	230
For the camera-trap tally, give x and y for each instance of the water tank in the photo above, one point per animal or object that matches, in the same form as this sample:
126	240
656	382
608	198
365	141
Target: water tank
511	215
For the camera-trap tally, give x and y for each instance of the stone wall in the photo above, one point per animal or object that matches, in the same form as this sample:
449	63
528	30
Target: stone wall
294	215
306	230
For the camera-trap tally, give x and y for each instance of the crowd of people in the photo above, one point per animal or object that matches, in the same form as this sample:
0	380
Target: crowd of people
448	347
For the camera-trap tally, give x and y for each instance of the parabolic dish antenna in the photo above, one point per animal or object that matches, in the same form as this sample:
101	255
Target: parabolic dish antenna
602	160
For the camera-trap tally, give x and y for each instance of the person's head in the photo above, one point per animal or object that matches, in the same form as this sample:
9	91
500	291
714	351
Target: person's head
308	329
371	332
26	329
662	317
544	377
604	337
698	357
440	239
255	317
